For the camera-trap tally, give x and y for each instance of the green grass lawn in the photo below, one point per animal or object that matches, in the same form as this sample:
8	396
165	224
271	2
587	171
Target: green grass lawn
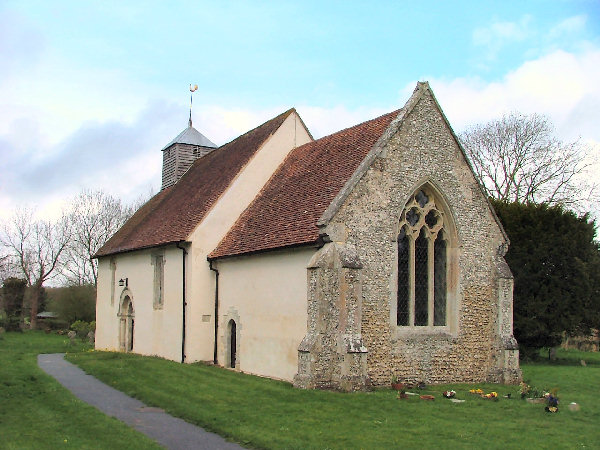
36	412
263	413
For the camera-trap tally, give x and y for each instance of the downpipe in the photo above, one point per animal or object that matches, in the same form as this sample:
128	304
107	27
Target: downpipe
210	261
184	301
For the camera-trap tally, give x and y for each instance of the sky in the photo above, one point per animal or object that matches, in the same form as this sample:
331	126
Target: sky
90	92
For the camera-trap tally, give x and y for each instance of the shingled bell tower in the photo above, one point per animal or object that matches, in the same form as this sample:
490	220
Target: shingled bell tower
181	152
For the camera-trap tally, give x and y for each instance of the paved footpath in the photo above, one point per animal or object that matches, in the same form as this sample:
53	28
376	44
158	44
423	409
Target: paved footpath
167	430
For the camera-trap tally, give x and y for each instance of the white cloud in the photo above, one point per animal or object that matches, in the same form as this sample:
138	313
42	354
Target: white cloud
561	85
57	137
504	31
122	159
495	36
20	44
570	25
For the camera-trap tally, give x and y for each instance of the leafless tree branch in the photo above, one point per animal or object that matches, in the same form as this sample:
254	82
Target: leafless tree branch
94	216
37	250
518	158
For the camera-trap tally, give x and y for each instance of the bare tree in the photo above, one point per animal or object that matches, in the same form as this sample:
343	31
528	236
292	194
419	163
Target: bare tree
517	158
95	216
36	249
5	267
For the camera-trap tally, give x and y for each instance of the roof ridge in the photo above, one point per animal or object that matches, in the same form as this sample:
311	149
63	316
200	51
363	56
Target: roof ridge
175	212
220	149
284	115
357	125
361	137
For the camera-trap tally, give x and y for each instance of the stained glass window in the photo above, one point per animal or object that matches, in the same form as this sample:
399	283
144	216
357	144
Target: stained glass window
439	281
421	279
413	216
422	199
431	219
403	279
422	264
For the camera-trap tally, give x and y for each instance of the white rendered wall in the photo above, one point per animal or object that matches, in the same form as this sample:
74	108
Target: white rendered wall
157	331
248	183
265	294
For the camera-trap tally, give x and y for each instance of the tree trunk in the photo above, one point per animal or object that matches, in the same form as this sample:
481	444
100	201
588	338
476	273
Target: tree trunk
35	300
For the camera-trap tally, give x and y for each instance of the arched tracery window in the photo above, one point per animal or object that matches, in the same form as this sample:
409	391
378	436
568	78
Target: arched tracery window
423	267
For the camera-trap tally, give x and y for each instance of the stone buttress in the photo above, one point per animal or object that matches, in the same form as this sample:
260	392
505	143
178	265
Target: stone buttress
332	355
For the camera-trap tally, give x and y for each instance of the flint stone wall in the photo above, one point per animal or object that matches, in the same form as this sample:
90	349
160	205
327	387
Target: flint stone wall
477	345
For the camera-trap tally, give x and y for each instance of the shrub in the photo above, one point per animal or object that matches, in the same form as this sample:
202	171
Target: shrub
81	328
13	292
56	324
73	303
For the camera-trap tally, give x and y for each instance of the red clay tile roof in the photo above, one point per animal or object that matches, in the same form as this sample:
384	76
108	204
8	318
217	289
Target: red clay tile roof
172	214
286	211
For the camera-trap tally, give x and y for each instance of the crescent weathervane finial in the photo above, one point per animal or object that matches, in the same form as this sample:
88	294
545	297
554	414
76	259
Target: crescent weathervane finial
193	88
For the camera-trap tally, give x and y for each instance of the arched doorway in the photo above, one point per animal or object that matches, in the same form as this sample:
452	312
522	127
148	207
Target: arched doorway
127	321
232	335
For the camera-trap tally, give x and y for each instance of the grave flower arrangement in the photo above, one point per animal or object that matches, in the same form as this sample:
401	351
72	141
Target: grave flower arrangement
552	401
525	389
397	384
449	394
491	395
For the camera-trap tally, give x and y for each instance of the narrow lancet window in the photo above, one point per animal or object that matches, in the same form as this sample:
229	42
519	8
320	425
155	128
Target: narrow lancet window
403	279
439	283
421	279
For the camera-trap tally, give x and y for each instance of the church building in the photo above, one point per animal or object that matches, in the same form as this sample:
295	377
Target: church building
334	263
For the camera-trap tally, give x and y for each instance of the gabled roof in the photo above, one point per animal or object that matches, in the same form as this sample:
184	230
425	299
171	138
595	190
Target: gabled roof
286	211
314	181
191	136
172	214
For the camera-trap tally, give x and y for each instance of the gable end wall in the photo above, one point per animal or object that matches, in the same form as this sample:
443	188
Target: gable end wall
471	348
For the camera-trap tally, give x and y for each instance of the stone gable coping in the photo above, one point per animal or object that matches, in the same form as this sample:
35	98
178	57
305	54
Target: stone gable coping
378	150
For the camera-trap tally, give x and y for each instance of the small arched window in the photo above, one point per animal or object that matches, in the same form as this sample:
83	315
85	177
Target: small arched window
232	350
422	296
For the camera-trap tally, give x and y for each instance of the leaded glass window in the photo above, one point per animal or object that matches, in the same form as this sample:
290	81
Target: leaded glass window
439	280
403	283
421	279
422	263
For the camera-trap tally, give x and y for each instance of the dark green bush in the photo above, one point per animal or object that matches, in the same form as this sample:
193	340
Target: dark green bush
56	324
13	292
73	303
81	328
